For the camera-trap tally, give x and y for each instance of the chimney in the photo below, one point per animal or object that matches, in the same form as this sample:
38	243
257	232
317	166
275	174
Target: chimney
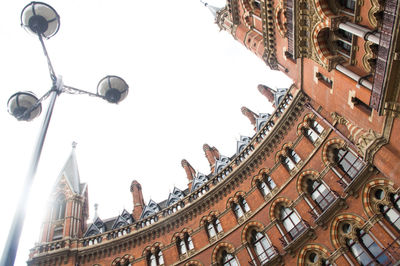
215	153
138	202
190	172
209	154
250	115
268	93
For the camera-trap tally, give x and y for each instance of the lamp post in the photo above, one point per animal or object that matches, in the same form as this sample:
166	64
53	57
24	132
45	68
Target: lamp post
44	22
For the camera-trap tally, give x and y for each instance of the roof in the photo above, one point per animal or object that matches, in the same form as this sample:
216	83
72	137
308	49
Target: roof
71	173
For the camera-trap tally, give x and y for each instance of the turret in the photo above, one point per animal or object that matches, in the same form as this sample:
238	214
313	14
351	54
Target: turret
68	204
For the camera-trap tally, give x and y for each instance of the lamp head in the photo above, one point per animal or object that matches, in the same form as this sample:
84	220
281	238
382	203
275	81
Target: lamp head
114	89
21	105
40	19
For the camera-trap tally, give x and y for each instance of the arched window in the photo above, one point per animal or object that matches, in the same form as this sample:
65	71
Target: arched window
240	208
346	164
292	224
227	259
59	208
185	244
361	245
261	247
320	194
213	228
290	160
314	257
389	205
156	258
313	130
266	184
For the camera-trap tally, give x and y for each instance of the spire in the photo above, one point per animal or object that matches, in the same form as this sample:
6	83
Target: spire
96	215
212	9
71	173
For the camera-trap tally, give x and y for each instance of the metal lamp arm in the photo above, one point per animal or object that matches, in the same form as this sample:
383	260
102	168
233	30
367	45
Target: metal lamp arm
50	66
72	90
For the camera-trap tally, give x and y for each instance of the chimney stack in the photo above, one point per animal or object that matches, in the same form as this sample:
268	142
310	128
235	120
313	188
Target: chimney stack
190	172
268	93
250	115
138	202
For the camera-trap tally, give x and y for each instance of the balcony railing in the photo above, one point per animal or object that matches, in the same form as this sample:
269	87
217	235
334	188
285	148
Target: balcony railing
389	256
294	233
268	255
324	204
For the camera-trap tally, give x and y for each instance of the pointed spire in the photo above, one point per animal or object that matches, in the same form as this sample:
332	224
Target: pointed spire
71	173
212	9
96	215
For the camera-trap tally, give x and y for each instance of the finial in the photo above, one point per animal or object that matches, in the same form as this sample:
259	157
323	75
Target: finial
96	206
205	3
74	144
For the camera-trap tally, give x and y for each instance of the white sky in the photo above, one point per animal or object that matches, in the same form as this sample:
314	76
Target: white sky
187	82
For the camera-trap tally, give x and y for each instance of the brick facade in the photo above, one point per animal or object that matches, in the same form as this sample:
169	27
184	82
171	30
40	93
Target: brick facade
318	182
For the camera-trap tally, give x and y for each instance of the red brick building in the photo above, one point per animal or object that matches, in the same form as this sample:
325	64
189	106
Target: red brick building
318	182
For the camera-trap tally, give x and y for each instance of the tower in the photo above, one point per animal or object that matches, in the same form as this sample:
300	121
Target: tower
67	210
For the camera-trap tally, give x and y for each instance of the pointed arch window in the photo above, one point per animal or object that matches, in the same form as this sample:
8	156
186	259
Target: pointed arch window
349	165
266	184
365	250
391	212
261	247
228	259
59	208
313	131
240	208
213	228
185	244
156	258
291	222
320	194
290	160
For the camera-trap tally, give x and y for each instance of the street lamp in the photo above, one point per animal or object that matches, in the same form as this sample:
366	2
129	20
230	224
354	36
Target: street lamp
43	21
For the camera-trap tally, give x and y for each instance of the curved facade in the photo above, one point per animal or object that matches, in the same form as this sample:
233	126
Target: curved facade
318	182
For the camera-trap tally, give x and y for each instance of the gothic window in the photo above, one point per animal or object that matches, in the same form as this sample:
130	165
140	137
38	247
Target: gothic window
228	259
156	258
314	257
291	222
389	206
261	247
240	208
266	184
321	195
365	250
185	244
59	208
213	227
348	163
290	160
310	134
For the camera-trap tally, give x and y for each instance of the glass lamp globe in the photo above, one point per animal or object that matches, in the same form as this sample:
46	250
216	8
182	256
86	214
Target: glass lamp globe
40	19
114	89
20	103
